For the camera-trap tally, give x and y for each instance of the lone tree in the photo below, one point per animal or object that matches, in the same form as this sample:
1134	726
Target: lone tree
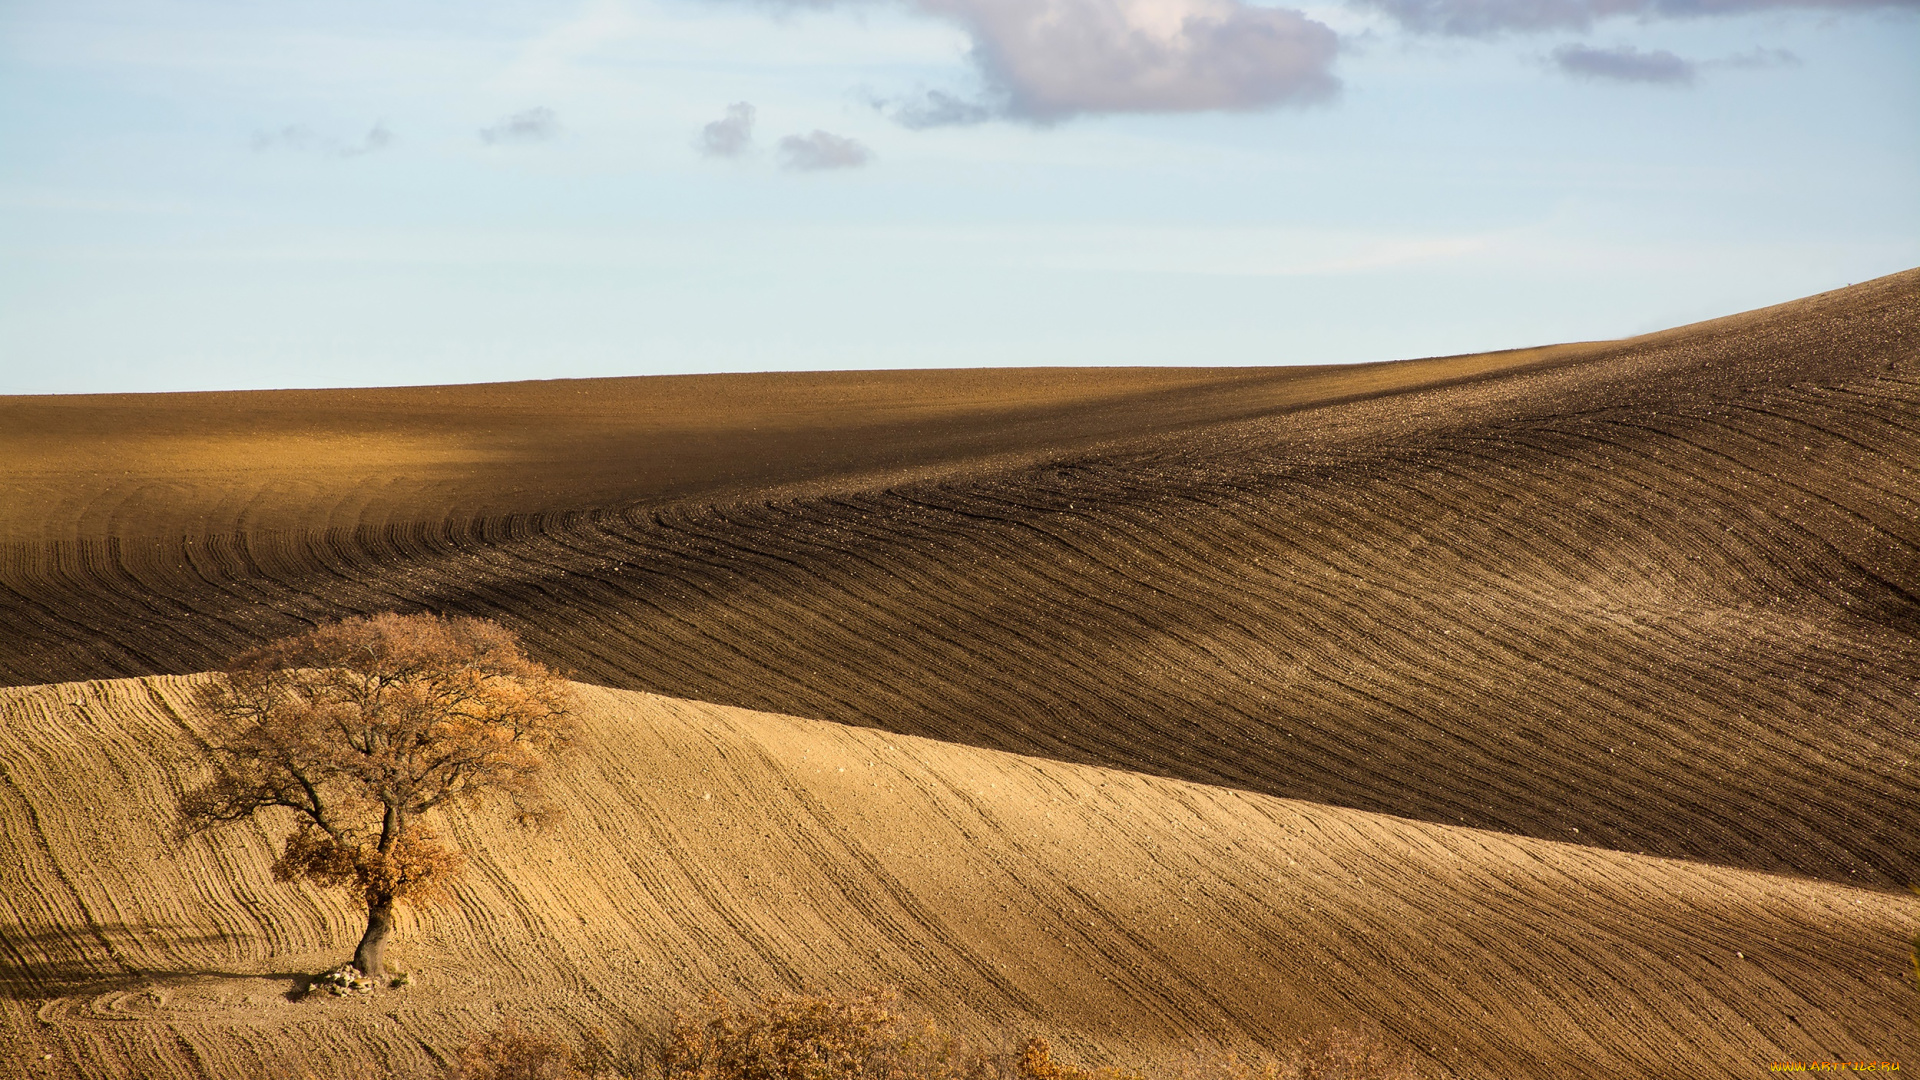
360	728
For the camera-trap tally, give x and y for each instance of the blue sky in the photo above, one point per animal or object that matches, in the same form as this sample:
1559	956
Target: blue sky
209	195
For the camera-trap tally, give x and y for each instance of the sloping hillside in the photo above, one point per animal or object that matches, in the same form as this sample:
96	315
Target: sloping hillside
710	846
1657	596
87	467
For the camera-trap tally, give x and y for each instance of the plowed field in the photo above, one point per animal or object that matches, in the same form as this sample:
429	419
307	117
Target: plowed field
1124	914
1625	637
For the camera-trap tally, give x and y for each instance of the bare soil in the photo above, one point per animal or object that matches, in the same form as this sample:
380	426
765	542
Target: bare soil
1125	916
1644	615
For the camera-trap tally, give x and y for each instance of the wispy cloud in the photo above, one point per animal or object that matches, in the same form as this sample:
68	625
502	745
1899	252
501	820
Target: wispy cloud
302	139
823	150
291	137
729	136
1485	17
937	108
1625	63
1756	58
534	125
1248	252
376	139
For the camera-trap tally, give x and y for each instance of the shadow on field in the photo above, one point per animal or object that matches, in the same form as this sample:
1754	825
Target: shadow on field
55	962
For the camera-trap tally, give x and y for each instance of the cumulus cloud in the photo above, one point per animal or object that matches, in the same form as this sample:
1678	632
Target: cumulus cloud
534	125
303	139
1483	17
730	135
1624	64
1047	60
823	150
1051	59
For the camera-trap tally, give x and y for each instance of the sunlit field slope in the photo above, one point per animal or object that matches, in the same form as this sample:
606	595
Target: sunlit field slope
707	847
126	466
1657	596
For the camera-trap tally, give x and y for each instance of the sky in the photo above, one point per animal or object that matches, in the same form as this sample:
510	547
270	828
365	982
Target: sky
219	194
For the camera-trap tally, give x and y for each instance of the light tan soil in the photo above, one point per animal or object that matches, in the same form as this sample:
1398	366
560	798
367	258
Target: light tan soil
712	847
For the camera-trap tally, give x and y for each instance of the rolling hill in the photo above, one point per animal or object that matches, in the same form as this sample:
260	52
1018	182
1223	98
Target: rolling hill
1564	672
707	847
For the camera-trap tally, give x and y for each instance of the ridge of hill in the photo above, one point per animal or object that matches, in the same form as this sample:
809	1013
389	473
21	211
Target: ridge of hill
1125	915
1659	595
89	467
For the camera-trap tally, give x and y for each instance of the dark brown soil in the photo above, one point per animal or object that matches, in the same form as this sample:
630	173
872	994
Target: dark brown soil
1658	596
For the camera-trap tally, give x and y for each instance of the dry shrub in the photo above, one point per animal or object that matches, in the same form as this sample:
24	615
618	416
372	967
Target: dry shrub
1037	1063
1348	1055
814	1037
867	1036
514	1053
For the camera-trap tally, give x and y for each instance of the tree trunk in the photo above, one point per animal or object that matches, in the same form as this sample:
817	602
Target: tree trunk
371	956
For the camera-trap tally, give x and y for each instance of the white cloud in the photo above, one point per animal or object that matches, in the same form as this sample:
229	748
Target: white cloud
1758	57
823	150
730	135
376	139
1481	17
1052	59
937	108
539	124
301	138
1047	60
291	137
1624	64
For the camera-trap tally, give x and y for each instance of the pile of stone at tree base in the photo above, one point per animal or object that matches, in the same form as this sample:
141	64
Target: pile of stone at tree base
341	981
